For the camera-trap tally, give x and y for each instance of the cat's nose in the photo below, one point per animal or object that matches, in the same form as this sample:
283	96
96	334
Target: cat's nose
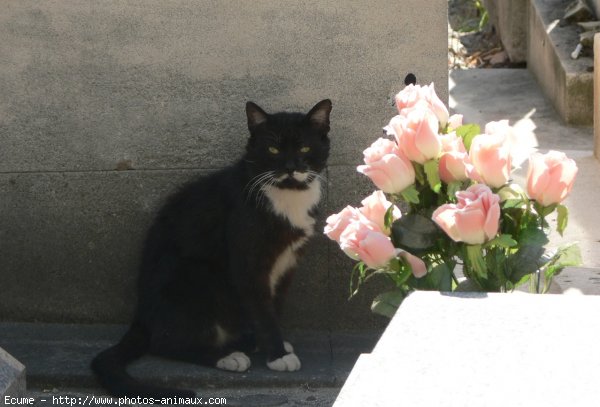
290	167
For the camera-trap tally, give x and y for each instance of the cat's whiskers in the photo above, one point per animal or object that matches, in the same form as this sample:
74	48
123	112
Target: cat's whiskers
254	182
318	176
258	182
262	200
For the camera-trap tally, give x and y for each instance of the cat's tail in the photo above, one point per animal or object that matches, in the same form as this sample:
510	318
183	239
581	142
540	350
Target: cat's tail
110	368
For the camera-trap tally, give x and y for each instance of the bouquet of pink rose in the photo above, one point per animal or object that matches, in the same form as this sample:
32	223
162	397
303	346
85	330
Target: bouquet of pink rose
463	208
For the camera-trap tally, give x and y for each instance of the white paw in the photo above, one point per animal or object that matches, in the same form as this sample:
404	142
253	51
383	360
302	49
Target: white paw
288	347
287	363
234	362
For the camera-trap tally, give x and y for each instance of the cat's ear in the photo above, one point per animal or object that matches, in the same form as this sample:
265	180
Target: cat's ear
255	114
319	115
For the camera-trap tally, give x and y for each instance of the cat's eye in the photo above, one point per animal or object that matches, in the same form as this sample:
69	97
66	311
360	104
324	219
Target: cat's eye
305	149
273	150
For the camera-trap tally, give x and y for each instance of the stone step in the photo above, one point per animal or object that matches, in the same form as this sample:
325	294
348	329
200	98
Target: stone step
483	349
57	356
12	376
568	83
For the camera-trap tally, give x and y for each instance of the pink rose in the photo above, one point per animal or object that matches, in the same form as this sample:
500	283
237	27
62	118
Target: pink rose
389	170
360	242
418	267
374	208
379	148
413	95
452	143
416	134
499	128
455	121
455	164
519	139
490	155
474	219
338	222
550	177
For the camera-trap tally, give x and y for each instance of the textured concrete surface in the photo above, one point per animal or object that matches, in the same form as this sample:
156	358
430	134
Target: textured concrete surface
597	95
72	241
159	89
509	17
86	86
58	356
585	280
566	82
12	376
596	6
476	349
484	95
302	395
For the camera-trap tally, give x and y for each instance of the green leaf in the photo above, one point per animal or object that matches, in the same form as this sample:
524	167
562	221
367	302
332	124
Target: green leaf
357	277
441	277
419	173
453	188
512	203
502	241
523	280
400	271
563	218
410	195
432	170
388	218
544	211
524	262
568	256
387	303
532	235
476	261
508	192
414	233
468	132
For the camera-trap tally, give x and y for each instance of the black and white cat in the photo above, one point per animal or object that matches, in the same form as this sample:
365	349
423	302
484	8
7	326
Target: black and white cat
217	260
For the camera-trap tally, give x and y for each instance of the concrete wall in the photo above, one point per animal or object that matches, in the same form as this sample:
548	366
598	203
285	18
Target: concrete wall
509	17
597	96
595	6
106	107
565	81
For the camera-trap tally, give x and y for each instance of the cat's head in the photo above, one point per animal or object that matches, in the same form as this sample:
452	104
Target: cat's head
290	149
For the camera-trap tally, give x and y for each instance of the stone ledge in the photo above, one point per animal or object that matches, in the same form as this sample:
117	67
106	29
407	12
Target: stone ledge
483	349
597	95
509	17
566	82
58	356
12	376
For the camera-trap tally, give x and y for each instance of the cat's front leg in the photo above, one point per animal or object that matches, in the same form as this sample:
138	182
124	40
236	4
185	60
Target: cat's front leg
250	272
280	355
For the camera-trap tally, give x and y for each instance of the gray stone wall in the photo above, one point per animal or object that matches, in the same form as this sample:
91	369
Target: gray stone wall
509	17
595	6
106	107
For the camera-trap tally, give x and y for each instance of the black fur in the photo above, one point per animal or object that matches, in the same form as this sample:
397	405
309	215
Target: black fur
208	255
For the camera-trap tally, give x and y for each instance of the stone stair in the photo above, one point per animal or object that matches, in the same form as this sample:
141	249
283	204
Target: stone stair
57	357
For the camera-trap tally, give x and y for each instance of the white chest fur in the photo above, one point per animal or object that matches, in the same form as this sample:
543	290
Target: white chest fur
294	206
